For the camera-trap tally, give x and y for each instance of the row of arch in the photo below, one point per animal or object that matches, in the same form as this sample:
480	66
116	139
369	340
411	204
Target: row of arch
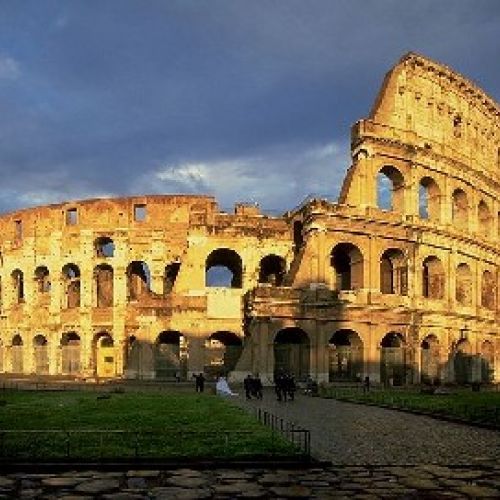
390	196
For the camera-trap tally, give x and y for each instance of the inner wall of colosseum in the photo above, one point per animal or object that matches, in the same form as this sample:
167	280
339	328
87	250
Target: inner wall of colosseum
398	280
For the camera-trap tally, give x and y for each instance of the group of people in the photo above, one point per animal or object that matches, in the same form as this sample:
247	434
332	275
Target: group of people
285	386
253	387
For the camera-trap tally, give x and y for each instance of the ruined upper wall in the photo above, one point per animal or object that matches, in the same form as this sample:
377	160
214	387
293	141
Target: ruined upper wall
442	110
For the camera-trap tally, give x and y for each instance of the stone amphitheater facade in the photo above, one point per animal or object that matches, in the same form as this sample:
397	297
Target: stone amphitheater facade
402	287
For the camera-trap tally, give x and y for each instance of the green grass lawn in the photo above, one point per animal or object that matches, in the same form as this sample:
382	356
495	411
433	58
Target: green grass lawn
83	425
476	407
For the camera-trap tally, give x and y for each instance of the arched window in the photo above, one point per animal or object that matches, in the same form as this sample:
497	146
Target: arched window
390	189
103	285
272	270
104	247
463	290
71	284
138	280
484	219
460	210
42	279
223	268
347	263
393	272
18	286
429	203
432	278
488	290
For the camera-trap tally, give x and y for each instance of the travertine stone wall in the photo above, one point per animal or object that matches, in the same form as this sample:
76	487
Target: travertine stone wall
397	281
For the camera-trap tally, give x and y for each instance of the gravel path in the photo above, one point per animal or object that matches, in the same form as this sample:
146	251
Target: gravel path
353	434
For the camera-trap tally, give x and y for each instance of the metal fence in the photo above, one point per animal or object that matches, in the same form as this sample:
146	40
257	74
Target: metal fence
299	437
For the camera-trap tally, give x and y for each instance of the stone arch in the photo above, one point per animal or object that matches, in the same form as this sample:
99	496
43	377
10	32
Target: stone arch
390	189
393	272
292	352
432	278
222	352
429	199
18	286
347	262
460	209
42	280
488	290
392	359
139	362
17	354
103	347
104	247
462	362
345	355
484	219
138	280
463	287
223	267
71	286
70	353
103	285
170	355
40	354
487	357
272	269
170	276
429	360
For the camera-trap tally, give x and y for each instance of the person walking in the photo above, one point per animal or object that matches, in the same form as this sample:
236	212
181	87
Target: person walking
199	382
248	386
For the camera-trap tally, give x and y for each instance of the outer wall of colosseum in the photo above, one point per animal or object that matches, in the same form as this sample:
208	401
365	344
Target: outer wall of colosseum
398	280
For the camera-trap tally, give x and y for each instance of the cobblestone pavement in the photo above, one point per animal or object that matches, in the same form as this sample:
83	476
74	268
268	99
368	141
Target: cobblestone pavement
419	482
353	434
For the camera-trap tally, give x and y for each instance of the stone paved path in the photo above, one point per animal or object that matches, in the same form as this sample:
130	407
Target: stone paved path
352	434
420	482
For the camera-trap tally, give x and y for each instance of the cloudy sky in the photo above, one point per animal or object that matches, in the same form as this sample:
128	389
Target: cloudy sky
245	100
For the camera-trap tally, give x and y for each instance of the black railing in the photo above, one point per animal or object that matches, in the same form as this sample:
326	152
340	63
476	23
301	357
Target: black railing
299	437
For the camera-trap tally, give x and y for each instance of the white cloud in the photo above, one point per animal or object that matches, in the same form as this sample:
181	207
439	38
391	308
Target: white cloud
9	68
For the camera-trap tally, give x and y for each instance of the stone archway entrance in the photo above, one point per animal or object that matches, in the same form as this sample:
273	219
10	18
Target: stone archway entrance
41	355
462	362
429	360
104	348
345	356
392	359
70	353
170	356
222	352
17	354
292	352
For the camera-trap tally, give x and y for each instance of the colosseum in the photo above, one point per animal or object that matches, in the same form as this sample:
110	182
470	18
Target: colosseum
396	280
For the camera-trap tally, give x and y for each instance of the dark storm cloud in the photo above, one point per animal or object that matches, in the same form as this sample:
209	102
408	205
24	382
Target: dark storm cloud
234	98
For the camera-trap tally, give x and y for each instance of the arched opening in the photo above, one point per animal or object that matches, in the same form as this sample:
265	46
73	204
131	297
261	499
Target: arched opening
462	362
138	280
222	352
104	355
488	290
139	362
18	286
71	286
292	352
345	351
390	189
392	360
272	270
170	356
70	353
103	285
393	272
169	277
487	356
298	238
432	278
460	210
41	355
42	280
429	199
484	219
17	351
463	290
223	268
104	247
429	362
347	263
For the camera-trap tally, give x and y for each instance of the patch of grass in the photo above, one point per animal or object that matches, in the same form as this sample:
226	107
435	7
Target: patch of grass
474	407
131	424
